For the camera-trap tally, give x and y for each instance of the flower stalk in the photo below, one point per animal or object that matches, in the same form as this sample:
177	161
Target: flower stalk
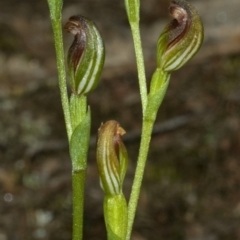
177	44
55	8
133	11
85	63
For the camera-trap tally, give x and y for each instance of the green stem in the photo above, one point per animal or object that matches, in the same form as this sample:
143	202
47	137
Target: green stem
143	152
76	118
140	63
78	181
57	31
78	150
159	84
133	11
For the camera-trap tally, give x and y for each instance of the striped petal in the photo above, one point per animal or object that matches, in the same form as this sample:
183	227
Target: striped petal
181	38
85	56
111	157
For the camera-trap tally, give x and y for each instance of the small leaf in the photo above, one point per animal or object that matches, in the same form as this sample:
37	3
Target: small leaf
159	84
79	143
115	215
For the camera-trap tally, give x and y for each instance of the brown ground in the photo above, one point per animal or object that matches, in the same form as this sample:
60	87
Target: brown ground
192	181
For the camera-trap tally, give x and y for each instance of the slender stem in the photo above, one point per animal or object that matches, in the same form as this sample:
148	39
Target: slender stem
73	117
159	84
78	150
57	31
78	181
140	63
143	152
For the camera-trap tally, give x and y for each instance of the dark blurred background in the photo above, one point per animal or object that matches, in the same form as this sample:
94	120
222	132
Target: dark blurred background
192	181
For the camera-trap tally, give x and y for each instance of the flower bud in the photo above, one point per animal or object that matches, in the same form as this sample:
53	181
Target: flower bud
85	56
112	158
181	38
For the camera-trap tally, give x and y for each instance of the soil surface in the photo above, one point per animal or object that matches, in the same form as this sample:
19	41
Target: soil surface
191	184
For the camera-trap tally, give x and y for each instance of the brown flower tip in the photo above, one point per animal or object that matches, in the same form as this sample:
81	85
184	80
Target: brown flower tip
181	38
77	26
85	56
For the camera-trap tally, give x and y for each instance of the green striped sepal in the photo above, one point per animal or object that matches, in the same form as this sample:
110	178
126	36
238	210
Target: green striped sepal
181	38
85	56
112	157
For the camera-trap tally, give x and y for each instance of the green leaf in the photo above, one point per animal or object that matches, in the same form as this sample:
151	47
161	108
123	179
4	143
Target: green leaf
115	215
112	236
78	109
79	143
159	84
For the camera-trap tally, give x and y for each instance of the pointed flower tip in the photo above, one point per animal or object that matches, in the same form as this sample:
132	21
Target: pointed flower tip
85	56
112	157
181	38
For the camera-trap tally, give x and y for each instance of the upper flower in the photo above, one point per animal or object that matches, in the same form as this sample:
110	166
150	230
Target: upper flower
181	38
85	56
